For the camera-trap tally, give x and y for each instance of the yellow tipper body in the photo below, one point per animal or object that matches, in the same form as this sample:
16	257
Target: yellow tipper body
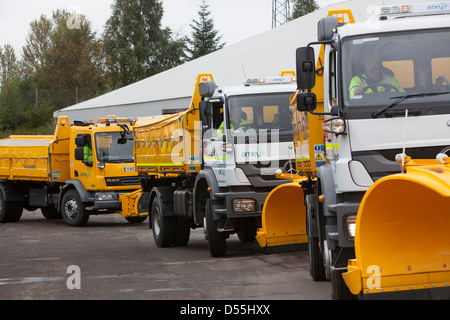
36	158
170	144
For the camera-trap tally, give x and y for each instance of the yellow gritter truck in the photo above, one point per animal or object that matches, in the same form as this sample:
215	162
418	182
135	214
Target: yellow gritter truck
84	168
377	96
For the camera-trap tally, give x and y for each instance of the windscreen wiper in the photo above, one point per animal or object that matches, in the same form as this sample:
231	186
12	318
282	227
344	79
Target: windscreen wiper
400	99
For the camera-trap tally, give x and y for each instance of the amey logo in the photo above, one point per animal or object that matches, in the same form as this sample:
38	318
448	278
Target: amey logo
440	6
257	154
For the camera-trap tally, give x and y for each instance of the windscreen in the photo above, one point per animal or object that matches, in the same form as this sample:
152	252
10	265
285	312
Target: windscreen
114	147
262	114
379	69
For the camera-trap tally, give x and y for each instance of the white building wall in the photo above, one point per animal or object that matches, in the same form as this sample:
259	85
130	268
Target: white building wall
265	54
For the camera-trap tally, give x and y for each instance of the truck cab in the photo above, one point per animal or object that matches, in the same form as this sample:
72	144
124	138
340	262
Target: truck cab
247	137
101	168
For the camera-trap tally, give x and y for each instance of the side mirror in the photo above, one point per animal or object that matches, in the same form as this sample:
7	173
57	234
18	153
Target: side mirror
79	153
206	88
306	102
205	113
325	28
80	140
305	61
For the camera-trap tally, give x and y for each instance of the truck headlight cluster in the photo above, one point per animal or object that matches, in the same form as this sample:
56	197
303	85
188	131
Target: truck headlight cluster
104	196
334	125
350	226
244	205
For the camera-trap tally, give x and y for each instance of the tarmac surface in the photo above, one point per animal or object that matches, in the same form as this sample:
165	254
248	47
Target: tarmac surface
111	259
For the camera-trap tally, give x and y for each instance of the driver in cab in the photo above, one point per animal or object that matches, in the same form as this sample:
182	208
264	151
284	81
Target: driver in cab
237	121
376	78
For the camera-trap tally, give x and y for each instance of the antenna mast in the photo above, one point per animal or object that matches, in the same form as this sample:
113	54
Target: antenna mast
280	12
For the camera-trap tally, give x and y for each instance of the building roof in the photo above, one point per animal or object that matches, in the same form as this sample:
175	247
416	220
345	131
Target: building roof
265	54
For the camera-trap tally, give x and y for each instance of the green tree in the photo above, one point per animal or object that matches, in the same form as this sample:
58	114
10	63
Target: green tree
9	66
75	58
136	45
64	60
303	7
38	43
10	95
205	38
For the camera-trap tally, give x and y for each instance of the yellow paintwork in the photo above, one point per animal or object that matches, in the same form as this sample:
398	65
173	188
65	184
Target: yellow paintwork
161	141
93	178
51	159
130	202
402	229
29	157
283	216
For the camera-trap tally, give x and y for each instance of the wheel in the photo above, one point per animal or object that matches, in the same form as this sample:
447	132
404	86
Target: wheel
247	235
9	211
164	227
216	239
73	210
183	232
339	290
316	265
51	213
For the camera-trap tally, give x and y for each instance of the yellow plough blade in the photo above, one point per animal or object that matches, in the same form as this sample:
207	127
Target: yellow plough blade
131	205
283	217
402	240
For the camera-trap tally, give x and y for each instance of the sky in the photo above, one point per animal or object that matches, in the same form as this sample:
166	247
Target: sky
235	20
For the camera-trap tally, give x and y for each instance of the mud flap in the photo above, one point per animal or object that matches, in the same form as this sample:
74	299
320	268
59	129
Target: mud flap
284	220
402	243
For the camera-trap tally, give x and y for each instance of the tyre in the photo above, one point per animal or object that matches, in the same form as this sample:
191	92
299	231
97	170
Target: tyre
247	235
339	290
51	213
316	264
73	210
216	239
137	219
183	232
163	227
9	211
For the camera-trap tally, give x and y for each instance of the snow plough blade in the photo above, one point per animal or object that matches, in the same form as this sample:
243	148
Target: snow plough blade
402	243
284	219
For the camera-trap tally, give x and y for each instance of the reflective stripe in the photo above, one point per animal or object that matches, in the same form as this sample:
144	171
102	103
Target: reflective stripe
87	153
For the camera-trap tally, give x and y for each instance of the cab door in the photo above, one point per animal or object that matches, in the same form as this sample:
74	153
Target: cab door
214	138
82	168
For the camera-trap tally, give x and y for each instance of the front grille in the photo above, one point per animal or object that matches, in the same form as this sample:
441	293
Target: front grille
122	181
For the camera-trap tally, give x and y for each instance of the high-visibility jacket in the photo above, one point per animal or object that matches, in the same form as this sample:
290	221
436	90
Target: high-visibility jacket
243	124
87	153
362	82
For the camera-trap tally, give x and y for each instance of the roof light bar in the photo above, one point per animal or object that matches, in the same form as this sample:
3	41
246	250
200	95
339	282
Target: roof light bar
269	80
442	7
114	119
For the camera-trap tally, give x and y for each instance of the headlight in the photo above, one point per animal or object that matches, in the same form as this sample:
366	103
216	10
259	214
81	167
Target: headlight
334	125
350	226
244	205
104	196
